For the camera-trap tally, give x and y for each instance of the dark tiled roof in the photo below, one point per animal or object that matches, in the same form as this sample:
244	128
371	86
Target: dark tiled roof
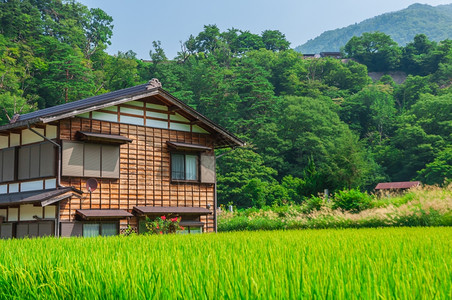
162	210
103	213
84	103
397	185
34	196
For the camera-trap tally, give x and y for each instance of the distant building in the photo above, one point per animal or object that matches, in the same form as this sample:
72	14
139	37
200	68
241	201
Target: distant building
397	186
336	55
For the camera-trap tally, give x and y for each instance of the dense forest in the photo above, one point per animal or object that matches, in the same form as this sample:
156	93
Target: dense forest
402	26
309	124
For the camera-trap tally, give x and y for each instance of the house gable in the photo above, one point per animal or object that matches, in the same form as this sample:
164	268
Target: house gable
149	112
158	107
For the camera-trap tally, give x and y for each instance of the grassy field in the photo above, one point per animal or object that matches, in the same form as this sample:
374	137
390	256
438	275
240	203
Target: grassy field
404	263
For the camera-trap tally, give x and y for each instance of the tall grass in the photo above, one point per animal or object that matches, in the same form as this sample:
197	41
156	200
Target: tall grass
428	206
404	263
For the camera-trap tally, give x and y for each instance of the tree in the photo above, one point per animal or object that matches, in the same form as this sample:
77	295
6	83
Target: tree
439	171
158	54
350	76
67	76
420	56
98	30
410	91
318	137
370	111
235	171
274	40
376	50
207	40
248	41
120	71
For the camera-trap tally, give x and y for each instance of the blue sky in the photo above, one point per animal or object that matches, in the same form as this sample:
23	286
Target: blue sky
139	22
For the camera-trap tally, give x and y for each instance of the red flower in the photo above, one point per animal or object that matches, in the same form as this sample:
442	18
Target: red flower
182	228
163	218
161	232
157	227
174	220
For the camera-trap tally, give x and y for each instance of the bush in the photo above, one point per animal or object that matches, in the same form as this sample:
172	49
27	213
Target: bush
313	203
352	200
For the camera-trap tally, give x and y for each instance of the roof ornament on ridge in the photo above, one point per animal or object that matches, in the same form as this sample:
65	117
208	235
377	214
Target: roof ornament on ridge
153	83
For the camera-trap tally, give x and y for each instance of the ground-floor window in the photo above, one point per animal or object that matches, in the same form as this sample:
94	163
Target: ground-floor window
97	229
188	229
191	230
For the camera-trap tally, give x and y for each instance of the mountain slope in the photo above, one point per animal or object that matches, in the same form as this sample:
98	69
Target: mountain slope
402	26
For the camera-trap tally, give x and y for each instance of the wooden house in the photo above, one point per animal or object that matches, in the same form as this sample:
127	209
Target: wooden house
150	154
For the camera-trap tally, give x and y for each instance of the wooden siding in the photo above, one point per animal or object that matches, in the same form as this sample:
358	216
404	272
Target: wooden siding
144	171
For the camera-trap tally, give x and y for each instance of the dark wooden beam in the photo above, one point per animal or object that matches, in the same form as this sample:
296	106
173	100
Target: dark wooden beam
173	108
195	122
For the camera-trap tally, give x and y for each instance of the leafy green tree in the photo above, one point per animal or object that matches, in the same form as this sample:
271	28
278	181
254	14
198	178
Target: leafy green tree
275	40
20	20
317	135
253	194
350	76
236	170
409	92
67	76
439	171
433	114
13	104
120	71
420	56
207	40
295	188
376	50
248	41
414	149
158	54
370	112
98	31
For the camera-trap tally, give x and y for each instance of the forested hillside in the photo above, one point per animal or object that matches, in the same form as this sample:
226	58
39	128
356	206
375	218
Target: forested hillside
309	124
402	26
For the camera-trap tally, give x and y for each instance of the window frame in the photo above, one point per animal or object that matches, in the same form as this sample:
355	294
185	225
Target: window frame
14	169
197	155
42	154
189	228
100	228
85	173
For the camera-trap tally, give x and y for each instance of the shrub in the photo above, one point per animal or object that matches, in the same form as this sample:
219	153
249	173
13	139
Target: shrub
163	225
254	193
313	203
352	200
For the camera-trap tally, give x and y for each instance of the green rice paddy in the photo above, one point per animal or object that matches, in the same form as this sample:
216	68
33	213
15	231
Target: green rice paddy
402	263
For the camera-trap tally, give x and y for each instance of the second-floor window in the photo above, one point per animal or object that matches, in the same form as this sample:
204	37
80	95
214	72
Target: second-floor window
90	160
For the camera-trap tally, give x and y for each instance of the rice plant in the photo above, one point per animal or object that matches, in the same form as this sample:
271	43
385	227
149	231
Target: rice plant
403	263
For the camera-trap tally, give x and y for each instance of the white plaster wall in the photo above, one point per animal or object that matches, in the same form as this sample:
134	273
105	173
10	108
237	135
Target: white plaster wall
27	212
13	214
50	212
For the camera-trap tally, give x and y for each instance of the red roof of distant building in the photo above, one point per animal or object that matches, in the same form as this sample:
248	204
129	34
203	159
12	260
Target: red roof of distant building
397	185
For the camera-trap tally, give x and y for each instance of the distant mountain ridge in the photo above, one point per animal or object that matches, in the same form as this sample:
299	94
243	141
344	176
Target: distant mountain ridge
402	26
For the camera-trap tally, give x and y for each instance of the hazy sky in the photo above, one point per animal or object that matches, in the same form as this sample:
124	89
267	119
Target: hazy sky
139	22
